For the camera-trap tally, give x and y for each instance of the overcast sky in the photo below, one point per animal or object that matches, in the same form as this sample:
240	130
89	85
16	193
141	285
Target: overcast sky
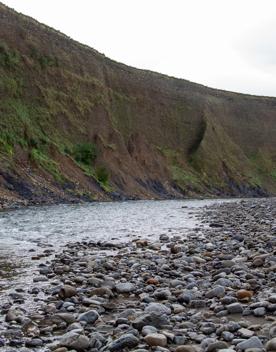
227	44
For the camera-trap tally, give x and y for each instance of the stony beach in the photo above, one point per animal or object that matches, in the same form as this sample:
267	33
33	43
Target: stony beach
213	289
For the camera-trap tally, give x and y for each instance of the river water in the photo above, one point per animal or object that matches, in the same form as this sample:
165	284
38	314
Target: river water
28	231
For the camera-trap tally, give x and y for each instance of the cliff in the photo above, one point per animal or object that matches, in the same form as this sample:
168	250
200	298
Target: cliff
77	125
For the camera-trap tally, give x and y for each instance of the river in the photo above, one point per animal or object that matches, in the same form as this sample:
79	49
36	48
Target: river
27	232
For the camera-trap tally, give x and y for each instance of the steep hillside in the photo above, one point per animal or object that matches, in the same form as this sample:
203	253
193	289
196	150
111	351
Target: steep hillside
75	124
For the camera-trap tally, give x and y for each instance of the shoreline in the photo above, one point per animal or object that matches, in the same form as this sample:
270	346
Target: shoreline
15	205
211	289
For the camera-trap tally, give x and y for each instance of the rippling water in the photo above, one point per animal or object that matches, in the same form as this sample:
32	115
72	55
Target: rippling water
35	228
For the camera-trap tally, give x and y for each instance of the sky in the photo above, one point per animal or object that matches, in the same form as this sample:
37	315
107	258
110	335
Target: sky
225	44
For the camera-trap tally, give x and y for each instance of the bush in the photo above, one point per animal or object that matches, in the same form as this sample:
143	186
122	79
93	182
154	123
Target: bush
43	60
85	153
102	175
8	58
10	87
5	147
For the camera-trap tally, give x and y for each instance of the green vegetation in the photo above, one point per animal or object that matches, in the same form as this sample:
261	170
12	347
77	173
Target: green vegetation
46	163
261	167
10	86
85	153
184	178
8	58
6	148
21	124
43	59
102	175
171	155
59	97
183	175
120	112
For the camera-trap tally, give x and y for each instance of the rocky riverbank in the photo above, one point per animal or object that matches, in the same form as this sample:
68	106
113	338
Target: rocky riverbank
212	289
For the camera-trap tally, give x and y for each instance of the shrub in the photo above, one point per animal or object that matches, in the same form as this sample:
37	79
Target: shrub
43	60
102	175
5	147
85	153
10	87
8	58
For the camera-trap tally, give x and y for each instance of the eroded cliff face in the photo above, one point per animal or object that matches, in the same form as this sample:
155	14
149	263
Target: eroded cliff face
75	124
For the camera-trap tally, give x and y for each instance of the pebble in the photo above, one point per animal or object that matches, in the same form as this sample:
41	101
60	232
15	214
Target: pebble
74	340
125	341
271	345
217	291
152	281
156	340
67	291
253	342
158	308
125	287
187	348
259	312
234	308
178	293
89	317
148	329
216	346
244	295
272	330
245	333
153	319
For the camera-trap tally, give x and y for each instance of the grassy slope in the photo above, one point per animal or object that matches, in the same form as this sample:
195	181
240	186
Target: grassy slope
155	136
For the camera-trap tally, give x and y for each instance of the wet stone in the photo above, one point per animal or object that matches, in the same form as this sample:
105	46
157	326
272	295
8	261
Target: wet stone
234	308
156	340
89	317
253	342
245	333
74	340
125	287
205	289
218	291
271	345
158	309
125	341
158	321
259	312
